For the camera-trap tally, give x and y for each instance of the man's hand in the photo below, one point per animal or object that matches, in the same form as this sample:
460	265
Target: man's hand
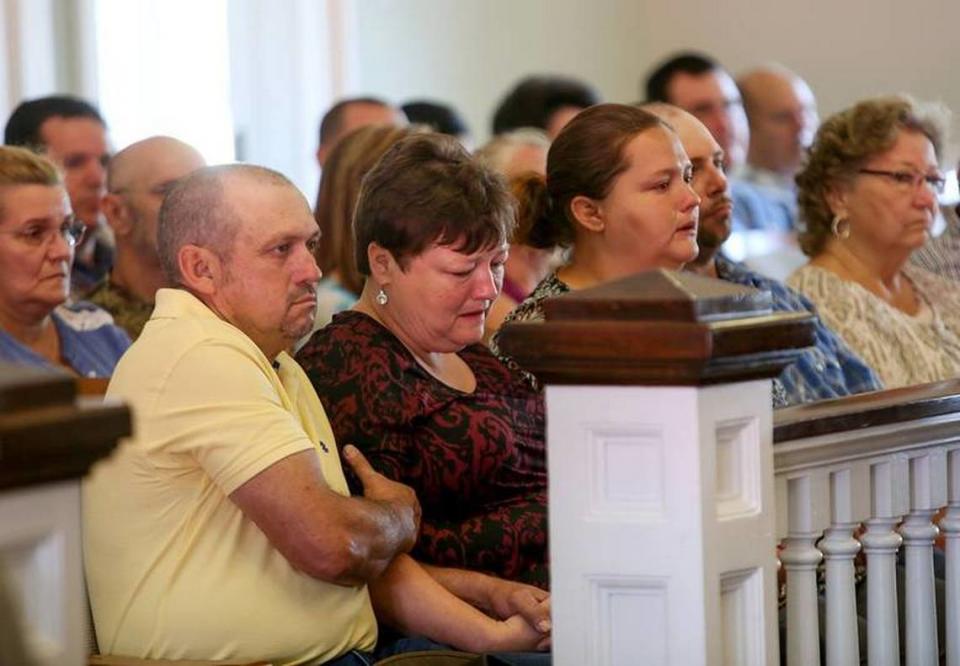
509	598
378	488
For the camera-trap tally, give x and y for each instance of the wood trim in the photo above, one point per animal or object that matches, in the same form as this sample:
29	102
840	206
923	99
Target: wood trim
24	387
96	386
59	442
660	295
46	433
658	352
867	410
823	451
105	660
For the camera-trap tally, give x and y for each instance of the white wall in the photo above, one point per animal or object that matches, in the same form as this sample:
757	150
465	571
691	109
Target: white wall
300	54
28	57
469	52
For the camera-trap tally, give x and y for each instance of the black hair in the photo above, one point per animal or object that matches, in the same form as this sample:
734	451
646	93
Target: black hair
23	126
438	117
658	80
534	99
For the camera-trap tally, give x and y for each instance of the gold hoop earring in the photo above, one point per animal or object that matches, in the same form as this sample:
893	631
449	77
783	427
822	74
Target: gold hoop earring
840	227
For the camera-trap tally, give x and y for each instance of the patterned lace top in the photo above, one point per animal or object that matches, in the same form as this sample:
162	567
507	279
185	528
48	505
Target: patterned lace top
531	309
903	349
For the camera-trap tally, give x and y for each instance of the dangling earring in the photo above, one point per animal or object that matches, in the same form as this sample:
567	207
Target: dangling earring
840	227
381	297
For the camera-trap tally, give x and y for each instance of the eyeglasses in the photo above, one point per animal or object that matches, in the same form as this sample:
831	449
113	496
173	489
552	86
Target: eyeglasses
38	235
911	180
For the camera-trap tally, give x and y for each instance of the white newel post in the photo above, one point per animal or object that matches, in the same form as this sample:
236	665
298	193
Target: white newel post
662	523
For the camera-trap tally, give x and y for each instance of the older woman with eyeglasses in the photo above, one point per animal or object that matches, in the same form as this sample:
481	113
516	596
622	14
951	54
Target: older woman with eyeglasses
38	235
868	196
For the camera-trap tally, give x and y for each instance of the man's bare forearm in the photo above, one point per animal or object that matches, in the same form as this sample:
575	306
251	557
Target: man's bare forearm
339	539
375	532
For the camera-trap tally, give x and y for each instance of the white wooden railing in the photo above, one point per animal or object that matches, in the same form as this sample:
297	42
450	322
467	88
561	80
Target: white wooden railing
870	474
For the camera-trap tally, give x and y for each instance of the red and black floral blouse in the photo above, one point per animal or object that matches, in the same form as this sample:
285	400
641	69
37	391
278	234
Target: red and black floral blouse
477	461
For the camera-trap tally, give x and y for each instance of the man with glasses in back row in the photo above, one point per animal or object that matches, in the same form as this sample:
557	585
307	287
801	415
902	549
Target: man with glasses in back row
38	237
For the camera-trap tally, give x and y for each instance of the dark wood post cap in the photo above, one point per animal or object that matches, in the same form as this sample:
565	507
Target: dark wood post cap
46	433
659	328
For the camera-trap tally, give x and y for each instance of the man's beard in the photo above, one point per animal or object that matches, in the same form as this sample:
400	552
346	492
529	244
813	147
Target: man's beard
709	241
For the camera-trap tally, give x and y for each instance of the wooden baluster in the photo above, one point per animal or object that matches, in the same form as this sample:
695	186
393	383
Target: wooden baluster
918	534
839	548
950	526
800	558
880	544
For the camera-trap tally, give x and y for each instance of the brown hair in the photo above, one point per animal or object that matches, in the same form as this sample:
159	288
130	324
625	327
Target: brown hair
844	143
19	166
343	171
427	189
585	159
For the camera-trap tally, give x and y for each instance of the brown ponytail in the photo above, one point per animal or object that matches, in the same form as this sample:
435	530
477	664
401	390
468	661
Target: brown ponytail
538	224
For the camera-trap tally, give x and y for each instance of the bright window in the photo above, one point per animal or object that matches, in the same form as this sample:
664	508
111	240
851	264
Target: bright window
163	67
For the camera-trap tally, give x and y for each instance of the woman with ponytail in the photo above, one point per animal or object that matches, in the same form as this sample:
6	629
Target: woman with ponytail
617	194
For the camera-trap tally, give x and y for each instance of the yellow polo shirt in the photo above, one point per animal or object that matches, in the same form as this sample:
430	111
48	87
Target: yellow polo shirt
174	568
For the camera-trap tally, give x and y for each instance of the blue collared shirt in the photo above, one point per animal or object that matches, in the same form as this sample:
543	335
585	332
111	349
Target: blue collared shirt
828	369
762	207
89	342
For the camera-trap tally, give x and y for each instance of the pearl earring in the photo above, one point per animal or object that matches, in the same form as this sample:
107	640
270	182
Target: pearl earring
381	297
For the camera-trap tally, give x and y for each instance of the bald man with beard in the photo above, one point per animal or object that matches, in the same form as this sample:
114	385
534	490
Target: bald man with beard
827	370
138	177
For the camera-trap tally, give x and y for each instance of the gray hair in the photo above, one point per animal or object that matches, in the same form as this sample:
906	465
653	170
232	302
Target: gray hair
196	212
497	153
